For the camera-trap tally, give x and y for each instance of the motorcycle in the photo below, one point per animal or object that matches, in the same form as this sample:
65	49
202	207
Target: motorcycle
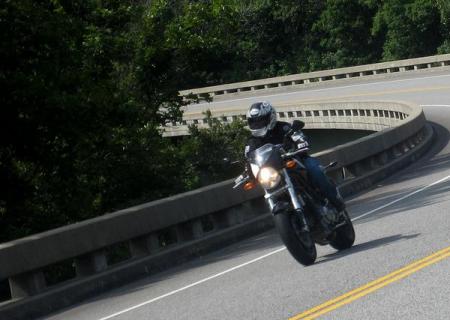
302	215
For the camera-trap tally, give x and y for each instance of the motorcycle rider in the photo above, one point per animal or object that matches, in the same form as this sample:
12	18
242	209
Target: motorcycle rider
264	127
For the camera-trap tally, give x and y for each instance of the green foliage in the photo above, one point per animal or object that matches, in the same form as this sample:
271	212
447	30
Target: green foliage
205	149
272	37
194	37
444	10
410	28
343	35
87	86
80	114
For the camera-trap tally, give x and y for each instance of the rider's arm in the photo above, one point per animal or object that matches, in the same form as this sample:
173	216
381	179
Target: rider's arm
249	147
300	142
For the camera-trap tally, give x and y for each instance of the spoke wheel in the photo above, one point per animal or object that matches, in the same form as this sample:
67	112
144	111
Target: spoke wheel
299	243
344	236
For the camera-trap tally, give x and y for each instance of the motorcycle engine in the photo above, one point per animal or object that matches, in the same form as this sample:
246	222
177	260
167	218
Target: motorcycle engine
328	213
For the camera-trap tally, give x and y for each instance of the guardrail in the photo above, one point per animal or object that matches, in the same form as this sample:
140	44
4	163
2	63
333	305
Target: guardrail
375	117
305	79
159	234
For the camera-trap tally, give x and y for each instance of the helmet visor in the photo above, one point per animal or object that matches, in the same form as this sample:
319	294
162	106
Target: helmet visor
259	122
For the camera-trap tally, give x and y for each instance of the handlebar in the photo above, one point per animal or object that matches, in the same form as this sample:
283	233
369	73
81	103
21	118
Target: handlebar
293	153
240	181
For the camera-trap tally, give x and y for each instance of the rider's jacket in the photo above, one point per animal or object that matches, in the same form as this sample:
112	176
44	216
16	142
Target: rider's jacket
274	136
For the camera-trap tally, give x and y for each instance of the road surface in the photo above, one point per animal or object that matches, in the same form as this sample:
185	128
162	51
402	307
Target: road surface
390	273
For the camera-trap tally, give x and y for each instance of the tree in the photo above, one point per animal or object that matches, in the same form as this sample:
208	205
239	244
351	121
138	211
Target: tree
272	36
411	28
204	159
88	85
196	37
444	9
81	114
343	35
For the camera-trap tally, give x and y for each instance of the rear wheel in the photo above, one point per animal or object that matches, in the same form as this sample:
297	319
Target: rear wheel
299	243
344	236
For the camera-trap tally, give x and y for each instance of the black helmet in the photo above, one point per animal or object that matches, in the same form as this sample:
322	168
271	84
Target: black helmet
261	117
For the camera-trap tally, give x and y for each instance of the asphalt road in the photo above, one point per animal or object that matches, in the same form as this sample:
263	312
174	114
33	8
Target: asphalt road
403	220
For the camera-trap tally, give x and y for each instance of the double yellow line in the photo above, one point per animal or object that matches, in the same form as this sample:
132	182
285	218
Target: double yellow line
373	286
243	105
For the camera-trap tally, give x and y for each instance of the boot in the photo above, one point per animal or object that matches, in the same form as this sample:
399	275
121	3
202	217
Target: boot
338	203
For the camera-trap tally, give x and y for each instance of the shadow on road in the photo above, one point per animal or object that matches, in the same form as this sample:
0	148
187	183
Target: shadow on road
434	195
231	255
365	246
436	160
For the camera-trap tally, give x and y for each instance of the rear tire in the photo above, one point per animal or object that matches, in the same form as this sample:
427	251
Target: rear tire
344	236
299	244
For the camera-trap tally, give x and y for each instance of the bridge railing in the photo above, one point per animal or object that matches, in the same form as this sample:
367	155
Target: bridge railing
375	117
305	79
155	235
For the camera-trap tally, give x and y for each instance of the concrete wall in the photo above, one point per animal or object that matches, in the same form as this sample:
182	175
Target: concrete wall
305	79
342	115
169	231
292	83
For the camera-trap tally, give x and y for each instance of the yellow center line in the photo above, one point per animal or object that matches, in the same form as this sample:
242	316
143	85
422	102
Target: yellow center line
372	286
387	92
318	100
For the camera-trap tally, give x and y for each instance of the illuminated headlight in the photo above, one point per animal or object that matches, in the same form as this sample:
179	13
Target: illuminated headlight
269	178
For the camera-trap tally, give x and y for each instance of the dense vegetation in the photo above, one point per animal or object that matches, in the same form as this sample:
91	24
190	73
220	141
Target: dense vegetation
83	82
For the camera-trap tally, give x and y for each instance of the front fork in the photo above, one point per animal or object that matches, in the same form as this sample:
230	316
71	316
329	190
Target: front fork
297	202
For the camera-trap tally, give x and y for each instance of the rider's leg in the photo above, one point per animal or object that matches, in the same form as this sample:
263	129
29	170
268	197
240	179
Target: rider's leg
321	181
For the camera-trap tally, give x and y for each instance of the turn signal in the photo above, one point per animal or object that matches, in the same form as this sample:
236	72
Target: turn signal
291	164
249	186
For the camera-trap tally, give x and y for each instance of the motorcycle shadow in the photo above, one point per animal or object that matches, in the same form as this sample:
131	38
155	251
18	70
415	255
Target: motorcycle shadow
365	246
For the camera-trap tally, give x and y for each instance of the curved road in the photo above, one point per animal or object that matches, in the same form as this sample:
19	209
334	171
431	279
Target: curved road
399	225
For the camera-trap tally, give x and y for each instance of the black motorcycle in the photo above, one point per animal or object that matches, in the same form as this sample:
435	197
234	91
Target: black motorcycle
302	215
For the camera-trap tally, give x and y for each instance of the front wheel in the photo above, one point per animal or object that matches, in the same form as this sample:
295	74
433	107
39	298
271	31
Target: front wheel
299	243
344	236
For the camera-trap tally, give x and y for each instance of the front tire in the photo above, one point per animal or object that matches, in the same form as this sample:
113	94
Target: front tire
344	236
299	244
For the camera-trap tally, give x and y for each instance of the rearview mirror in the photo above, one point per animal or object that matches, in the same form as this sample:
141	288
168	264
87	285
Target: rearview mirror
297	125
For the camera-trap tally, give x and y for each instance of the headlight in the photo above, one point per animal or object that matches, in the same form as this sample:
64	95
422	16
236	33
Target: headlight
269	178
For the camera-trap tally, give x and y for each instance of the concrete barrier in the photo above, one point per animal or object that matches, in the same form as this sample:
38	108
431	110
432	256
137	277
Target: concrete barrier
290	83
162	233
305	79
371	116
